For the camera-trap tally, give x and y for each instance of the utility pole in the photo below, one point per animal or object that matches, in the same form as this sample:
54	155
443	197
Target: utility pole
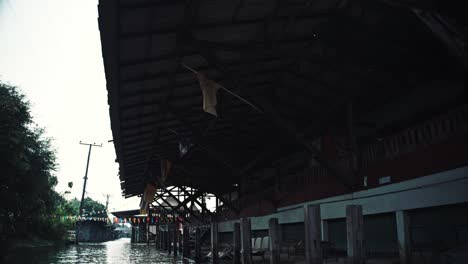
107	201
85	180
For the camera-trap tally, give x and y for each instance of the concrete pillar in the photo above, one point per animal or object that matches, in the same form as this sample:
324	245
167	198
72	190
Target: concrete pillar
236	243
198	245
186	242
214	243
313	234
325	236
175	238
403	235
274	233
355	234
246	247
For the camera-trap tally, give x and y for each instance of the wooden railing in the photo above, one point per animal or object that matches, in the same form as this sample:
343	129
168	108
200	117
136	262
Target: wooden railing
432	131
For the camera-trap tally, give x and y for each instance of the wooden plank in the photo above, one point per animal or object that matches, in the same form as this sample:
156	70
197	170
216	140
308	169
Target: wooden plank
245	230
313	233
274	234
236	243
214	243
355	234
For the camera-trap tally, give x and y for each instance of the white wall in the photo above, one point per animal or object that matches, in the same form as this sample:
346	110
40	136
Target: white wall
448	187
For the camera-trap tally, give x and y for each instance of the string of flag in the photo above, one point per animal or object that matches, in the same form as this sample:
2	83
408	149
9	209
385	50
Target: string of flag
83	218
143	220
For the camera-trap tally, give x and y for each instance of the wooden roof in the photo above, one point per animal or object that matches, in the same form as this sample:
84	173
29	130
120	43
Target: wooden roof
302	62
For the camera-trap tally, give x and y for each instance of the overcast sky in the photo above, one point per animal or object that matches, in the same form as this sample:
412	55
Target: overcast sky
51	49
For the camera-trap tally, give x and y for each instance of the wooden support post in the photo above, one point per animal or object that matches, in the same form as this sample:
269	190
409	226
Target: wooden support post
246	248
163	240
175	238
147	232
237	243
186	241
274	233
198	245
170	238
404	245
159	245
355	234
180	242
157	235
167	240
313	233
214	243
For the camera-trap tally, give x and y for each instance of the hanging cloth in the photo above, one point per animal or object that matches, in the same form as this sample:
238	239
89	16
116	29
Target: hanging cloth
209	89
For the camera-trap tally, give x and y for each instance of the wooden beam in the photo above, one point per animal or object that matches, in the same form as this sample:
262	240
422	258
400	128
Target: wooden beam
336	13
446	32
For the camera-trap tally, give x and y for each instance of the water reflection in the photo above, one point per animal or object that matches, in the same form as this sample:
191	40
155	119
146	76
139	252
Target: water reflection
117	251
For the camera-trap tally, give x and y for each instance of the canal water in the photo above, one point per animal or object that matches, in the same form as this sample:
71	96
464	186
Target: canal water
117	251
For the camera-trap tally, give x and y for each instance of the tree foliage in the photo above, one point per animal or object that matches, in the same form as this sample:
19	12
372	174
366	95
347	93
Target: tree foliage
28	201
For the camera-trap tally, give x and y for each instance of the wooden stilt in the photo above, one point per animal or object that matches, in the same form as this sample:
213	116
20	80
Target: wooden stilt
246	247
147	232
180	242
175	238
236	243
313	233
186	241
355	234
156	236
214	243
198	245
169	239
273	232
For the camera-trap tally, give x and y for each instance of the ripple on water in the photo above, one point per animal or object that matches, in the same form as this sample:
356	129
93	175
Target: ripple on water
119	251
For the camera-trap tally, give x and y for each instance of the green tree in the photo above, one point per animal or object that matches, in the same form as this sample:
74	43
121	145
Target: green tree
27	161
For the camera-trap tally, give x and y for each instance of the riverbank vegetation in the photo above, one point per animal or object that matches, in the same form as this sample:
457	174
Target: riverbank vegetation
29	205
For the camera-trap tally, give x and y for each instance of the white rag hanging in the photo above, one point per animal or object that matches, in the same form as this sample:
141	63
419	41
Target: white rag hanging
209	89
